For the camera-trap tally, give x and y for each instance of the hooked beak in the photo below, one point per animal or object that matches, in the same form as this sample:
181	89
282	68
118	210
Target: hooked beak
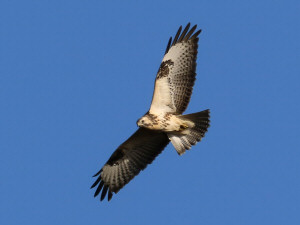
138	122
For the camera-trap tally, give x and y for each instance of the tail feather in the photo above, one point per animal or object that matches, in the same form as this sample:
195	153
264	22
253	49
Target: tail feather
184	140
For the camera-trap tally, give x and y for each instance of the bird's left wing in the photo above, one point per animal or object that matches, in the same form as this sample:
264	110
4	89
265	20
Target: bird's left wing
128	160
177	73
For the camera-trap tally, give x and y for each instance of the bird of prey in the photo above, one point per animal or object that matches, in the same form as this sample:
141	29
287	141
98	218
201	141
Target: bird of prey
164	121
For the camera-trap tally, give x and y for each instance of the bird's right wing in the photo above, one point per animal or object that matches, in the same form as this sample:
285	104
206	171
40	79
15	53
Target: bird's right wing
128	160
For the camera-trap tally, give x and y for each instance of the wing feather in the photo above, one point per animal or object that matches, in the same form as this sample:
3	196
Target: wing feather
168	46
190	33
128	160
184	32
177	73
176	36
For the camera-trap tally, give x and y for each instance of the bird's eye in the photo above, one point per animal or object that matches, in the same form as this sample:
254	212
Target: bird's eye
143	121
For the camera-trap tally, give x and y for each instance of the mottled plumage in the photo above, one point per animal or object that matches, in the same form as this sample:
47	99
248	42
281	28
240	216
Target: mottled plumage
164	121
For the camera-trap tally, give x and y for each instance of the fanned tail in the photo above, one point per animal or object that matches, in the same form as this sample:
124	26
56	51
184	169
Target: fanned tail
190	136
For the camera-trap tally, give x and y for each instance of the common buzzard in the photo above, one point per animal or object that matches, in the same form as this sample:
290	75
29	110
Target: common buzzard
164	121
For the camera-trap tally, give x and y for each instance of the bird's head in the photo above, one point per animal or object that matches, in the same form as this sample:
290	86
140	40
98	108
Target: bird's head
144	121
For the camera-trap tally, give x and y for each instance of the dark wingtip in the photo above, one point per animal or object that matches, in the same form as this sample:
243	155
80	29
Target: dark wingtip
188	25
110	194
185	35
104	191
177	35
196	34
168	46
184	32
97	173
190	33
96	182
208	116
99	188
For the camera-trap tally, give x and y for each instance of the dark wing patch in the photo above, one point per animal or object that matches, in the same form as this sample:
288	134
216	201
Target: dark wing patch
128	160
164	70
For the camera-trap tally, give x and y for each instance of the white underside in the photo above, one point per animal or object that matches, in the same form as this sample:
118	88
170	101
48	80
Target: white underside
162	101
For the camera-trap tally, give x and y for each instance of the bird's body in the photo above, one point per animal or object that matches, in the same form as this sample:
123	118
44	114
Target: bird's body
164	121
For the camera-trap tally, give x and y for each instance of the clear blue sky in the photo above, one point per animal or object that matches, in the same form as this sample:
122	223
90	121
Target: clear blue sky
76	75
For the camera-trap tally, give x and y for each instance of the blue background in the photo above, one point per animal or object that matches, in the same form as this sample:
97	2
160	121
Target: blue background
76	75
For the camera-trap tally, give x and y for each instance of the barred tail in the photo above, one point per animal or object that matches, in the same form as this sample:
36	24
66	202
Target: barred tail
190	136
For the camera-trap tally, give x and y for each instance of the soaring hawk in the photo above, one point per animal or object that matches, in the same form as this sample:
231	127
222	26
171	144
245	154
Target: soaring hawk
164	121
